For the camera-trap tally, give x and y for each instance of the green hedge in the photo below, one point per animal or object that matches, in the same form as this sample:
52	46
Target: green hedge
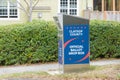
37	42
28	43
104	39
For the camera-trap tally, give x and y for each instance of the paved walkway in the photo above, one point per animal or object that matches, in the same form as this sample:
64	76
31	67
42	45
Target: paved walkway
47	67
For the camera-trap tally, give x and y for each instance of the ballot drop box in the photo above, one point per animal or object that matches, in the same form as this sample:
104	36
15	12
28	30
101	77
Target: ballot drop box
73	43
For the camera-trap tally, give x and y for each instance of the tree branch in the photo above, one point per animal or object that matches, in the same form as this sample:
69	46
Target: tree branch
24	11
35	3
21	7
27	3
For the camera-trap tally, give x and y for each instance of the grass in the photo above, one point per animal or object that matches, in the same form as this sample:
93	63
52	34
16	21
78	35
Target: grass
109	72
118	76
99	72
23	75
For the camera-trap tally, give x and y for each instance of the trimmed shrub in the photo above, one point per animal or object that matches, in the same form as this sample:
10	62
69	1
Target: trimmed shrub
37	42
28	43
104	39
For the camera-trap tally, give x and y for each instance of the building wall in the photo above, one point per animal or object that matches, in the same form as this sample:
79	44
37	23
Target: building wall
90	4
21	18
47	14
54	6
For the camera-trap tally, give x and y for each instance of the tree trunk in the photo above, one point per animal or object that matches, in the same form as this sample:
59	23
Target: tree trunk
30	11
30	18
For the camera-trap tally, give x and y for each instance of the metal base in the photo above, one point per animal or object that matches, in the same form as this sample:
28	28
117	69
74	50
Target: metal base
76	68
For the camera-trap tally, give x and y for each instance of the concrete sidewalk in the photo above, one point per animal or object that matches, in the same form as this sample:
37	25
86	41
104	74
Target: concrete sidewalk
47	67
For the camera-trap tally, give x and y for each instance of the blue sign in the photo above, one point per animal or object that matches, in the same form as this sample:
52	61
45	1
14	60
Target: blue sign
76	44
60	56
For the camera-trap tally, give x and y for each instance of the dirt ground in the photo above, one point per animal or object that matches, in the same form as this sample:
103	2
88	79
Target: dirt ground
109	72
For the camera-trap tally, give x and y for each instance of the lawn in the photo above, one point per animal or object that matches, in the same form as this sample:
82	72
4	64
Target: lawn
108	72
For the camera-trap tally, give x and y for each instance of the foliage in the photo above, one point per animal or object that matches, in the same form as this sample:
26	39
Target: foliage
28	43
105	39
37	42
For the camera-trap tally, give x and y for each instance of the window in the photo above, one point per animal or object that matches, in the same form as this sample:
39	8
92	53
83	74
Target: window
8	9
117	5
97	5
68	7
108	5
